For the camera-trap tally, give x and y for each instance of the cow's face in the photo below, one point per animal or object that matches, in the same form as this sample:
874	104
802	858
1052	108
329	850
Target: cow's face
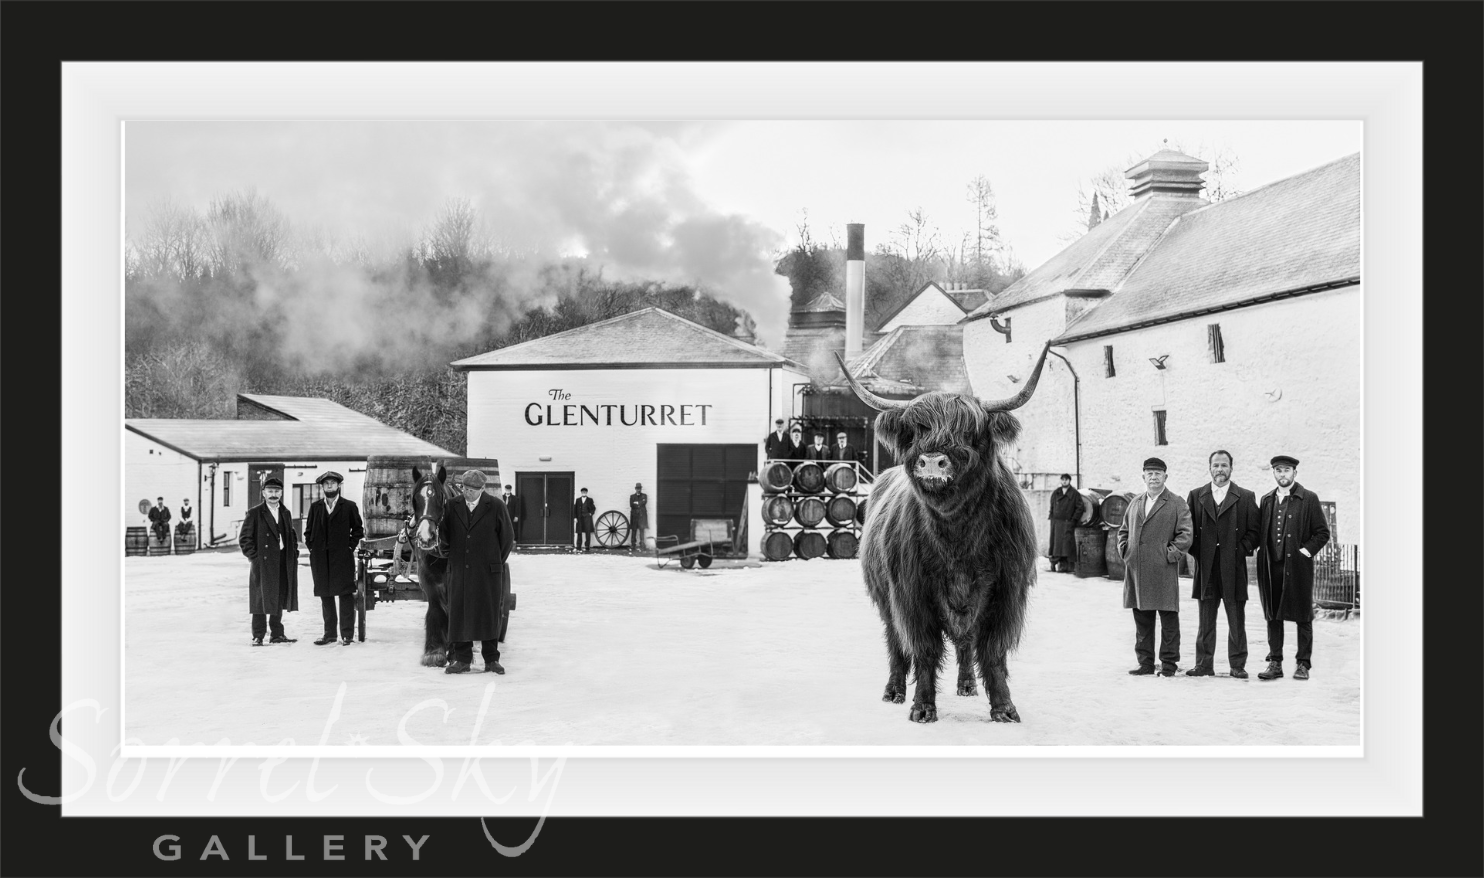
946	443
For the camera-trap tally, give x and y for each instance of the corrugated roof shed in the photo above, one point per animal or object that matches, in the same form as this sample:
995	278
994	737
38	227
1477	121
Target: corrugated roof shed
1299	233
650	338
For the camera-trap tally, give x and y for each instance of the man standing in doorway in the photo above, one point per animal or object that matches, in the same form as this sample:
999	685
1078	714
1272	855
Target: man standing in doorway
582	522
1225	531
516	505
270	544
1293	532
1066	508
638	518
332	530
476	536
1152	539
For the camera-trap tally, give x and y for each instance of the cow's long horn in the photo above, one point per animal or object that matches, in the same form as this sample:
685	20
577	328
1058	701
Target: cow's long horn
867	396
1021	398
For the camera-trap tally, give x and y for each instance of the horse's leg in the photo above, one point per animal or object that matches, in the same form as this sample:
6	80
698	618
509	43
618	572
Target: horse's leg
435	623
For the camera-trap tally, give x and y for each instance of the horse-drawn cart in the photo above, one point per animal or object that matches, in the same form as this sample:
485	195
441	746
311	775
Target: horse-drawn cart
387	559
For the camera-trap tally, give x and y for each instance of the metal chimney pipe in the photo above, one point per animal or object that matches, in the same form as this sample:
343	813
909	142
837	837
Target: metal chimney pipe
855	288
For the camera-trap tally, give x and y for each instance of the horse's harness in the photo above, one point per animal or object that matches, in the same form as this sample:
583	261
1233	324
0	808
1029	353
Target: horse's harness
410	529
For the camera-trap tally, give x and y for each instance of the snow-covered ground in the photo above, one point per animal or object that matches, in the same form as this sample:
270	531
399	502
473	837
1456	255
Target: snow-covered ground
612	650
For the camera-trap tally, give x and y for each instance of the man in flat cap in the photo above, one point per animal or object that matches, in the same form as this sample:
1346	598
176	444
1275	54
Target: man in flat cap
1293	532
843	450
819	450
582	522
159	519
476	536
268	540
1153	537
332	530
1227	530
777	446
515	504
1066	508
638	517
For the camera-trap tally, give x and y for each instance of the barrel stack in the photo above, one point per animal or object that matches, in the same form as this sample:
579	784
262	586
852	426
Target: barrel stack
811	509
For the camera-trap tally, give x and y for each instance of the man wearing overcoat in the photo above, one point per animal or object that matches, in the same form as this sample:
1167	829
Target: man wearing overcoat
515	504
1293	531
268	540
332	531
583	511
159	518
1066	508
638	517
476	536
1226	530
1151	540
777	446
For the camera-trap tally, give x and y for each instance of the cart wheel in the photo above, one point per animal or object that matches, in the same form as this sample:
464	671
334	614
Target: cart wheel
611	529
504	624
688	561
704	561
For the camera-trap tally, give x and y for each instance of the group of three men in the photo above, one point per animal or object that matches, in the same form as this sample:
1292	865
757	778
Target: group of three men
789	445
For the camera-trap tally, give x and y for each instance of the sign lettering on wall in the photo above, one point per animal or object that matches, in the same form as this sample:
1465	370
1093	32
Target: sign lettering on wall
560	413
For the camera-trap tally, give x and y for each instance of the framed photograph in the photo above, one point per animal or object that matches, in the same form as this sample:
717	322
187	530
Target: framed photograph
808	443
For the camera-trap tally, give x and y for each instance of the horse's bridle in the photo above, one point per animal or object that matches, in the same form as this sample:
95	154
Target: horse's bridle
436	551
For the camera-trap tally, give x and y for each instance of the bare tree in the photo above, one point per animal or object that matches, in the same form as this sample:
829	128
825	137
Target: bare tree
987	242
171	243
1111	185
247	234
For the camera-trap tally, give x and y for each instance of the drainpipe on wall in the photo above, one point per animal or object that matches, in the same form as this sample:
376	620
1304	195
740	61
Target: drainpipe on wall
1076	415
212	506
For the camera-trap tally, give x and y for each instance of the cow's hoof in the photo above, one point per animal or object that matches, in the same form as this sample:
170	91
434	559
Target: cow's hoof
967	687
1005	714
895	693
923	713
435	659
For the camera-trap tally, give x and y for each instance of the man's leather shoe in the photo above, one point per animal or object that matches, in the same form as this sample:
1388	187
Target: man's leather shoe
1200	672
1239	673
280	638
328	638
1141	671
1301	673
457	668
346	641
1167	672
1273	672
257	641
493	668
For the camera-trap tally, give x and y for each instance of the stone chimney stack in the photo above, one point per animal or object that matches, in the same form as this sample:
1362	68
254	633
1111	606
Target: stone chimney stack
1167	172
855	288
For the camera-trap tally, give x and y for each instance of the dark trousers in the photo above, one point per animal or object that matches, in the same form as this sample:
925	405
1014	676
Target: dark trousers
517	522
636	536
262	622
1305	642
347	603
463	650
1236	634
583	539
1169	643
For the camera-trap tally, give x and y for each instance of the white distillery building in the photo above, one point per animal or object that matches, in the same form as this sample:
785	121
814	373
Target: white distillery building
646	397
1183	327
217	462
935	304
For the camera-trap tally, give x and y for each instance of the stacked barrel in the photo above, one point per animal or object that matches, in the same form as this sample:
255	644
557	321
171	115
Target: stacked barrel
811	509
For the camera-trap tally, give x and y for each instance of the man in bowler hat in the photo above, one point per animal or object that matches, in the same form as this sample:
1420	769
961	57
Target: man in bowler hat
268	540
638	517
1152	539
476	536
1293	532
332	530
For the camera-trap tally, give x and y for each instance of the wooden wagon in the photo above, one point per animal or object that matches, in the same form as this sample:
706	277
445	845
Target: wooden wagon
709	538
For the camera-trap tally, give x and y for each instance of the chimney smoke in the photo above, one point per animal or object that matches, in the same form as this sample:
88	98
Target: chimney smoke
855	288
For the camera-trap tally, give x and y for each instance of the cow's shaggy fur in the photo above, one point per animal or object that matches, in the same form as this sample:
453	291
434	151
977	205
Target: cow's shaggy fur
949	549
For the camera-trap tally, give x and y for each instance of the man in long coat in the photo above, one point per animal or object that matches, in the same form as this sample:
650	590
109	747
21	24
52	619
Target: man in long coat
1227	530
476	536
638	517
268	540
1066	508
332	530
1152	539
515	504
159	519
583	511
1293	532
777	446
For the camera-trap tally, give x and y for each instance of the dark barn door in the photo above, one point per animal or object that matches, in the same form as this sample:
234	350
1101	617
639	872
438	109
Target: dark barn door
548	504
700	481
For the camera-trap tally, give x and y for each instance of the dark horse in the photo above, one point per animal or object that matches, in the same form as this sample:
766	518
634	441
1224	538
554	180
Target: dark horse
429	495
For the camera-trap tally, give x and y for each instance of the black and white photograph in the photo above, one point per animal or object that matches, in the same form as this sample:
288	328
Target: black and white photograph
743	433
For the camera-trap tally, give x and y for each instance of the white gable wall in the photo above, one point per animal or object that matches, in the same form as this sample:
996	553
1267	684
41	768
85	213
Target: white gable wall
932	307
152	470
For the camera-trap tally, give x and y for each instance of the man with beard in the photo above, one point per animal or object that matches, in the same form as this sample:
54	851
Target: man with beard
1293	532
1226	530
269	542
476	536
159	519
1152	539
332	530
1066	508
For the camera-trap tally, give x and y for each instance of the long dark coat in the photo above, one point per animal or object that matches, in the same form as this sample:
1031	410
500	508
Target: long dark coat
1304	527
777	447
1223	535
1066	508
515	504
332	545
583	510
1151	548
638	511
476	545
273	584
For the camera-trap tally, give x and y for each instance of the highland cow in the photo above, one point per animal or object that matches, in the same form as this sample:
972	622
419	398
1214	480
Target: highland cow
948	549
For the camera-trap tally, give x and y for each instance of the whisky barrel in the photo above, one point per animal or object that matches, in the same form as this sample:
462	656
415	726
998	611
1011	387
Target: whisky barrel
841	478
776	476
386	496
809	511
778	510
136	540
185	541
778	545
1111	510
840	511
843	544
810	544
1092	548
809	478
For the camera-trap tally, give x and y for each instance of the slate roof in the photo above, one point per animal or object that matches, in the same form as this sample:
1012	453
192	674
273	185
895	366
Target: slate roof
917	358
319	430
823	302
1300	233
968	300
650	338
1099	259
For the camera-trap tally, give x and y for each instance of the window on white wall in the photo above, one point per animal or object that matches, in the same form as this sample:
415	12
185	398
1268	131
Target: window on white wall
1159	428
226	489
1213	338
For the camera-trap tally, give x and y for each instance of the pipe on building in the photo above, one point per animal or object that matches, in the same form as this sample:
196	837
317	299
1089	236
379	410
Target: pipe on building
1076	415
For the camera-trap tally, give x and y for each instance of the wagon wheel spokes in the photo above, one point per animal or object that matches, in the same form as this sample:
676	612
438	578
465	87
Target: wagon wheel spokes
611	529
